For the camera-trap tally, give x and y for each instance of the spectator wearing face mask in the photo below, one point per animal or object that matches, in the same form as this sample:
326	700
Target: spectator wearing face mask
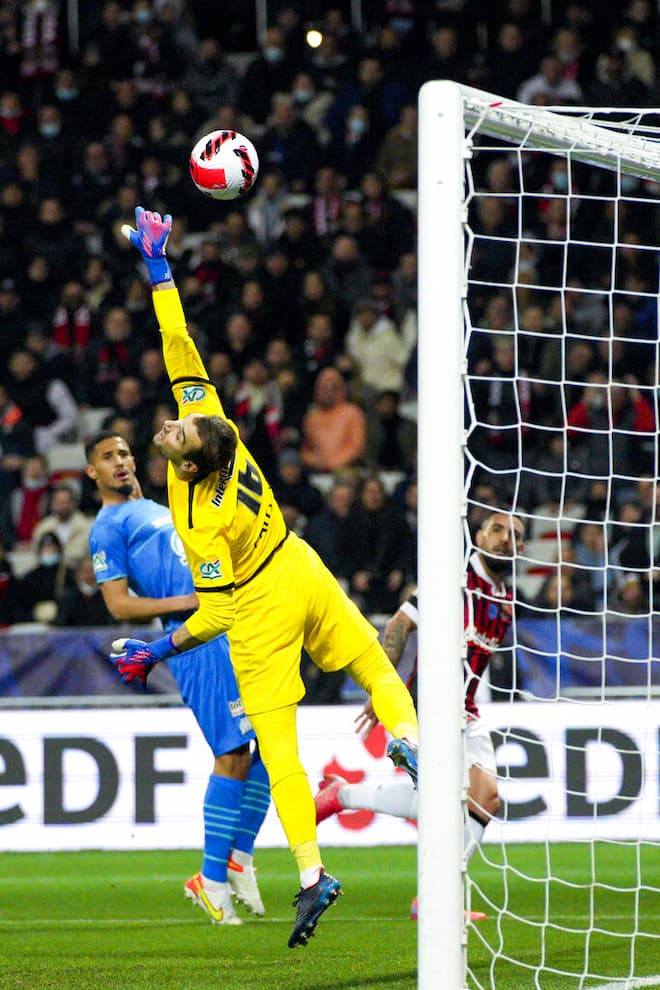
271	72
42	588
82	604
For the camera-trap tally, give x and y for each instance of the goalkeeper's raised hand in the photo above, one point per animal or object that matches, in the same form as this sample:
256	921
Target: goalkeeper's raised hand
150	239
134	659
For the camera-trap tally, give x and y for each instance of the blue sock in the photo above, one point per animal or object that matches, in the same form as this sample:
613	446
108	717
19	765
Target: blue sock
222	808
254	806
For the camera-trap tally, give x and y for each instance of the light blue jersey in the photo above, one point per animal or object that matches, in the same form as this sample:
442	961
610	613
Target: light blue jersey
136	540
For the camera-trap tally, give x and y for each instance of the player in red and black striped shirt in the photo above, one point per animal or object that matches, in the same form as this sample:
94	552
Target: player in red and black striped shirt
487	618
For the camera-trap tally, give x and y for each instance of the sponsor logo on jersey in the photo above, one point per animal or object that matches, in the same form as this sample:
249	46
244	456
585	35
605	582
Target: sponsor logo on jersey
236	707
211	569
192	393
99	562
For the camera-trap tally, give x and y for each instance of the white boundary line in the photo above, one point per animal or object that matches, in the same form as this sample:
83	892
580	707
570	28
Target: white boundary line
632	984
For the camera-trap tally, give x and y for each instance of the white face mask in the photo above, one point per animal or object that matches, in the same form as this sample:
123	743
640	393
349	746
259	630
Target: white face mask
49	559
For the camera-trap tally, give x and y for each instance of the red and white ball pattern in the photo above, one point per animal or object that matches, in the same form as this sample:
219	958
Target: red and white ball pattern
224	165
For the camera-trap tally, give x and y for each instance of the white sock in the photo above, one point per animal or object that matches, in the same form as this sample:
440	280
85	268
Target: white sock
242	858
398	798
309	877
473	833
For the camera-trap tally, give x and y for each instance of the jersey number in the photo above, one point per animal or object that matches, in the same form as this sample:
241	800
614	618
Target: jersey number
250	488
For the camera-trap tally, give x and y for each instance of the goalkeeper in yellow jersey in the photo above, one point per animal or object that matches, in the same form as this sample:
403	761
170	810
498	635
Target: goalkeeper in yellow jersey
266	588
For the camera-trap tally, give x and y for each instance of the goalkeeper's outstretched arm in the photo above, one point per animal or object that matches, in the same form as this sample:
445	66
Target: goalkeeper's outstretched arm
185	368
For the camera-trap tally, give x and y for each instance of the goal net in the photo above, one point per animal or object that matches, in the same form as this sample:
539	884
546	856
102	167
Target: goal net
539	361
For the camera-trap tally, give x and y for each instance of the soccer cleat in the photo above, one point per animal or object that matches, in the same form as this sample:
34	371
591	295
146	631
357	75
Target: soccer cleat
222	913
326	800
403	753
243	883
311	902
474	916
469	916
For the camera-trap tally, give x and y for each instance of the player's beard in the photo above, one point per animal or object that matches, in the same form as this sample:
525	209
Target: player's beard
126	488
498	565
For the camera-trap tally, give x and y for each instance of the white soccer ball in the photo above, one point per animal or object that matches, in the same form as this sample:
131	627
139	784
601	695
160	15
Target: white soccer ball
224	165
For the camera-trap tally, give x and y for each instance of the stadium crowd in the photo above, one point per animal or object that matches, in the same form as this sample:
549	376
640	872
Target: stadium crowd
302	298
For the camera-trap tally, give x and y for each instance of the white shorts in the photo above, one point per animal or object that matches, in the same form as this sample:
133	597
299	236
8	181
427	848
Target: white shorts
479	750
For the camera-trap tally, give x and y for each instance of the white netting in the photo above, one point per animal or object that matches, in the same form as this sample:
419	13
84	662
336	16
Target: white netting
562	366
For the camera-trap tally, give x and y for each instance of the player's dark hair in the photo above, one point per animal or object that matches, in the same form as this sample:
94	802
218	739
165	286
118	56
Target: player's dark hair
218	445
503	512
96	438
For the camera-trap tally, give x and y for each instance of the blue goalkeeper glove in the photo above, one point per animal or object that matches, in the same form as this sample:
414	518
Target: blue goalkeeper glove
135	659
150	239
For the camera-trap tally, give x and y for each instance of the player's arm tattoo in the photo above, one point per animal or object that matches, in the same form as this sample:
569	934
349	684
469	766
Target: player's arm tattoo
394	638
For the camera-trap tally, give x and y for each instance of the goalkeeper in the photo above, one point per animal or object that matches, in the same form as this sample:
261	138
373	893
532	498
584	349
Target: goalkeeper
264	586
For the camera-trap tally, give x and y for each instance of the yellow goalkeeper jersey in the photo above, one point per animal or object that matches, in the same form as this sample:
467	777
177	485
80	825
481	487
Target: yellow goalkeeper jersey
229	522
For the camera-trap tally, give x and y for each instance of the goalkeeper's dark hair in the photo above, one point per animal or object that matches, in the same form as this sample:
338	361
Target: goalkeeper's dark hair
92	442
218	445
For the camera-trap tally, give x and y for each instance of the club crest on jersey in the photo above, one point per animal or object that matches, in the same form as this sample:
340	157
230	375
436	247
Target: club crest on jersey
493	610
192	393
211	569
99	562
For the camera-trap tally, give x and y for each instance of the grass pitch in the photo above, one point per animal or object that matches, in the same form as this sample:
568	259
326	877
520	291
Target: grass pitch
118	921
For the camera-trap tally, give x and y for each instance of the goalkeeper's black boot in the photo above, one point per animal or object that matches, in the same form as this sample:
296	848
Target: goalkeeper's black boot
311	903
403	753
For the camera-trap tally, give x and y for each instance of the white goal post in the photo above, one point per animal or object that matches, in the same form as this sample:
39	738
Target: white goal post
552	271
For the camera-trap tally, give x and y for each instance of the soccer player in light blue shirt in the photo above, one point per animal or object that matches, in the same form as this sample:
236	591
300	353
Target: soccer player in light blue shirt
141	567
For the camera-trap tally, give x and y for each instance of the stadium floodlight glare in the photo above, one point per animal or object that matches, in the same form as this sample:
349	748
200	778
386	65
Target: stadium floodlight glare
579	252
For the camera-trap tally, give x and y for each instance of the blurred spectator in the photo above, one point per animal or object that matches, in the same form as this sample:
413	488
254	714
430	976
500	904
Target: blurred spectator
238	245
297	241
12	317
380	548
8	588
67	522
377	347
53	237
372	89
614	84
397	154
258	412
325	207
511	60
270	72
446	59
42	588
153	377
333	429
107	359
47	403
40	290
209	78
292	486
71	322
128	403
346	272
324	530
27	503
81	604
265	209
605	421
16	442
355	147
319	348
630	595
312	104
549	87
391	437
154	482
390	225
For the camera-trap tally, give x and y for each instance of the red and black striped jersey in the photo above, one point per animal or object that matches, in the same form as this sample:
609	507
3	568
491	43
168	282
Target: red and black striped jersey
487	618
